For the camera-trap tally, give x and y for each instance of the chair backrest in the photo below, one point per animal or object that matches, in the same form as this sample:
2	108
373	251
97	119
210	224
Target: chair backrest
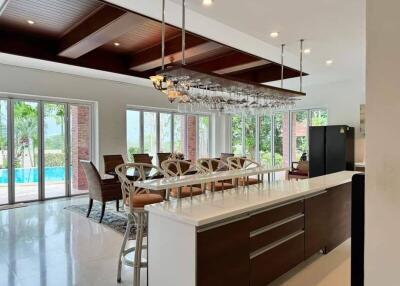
163	157
224	156
142	158
92	176
176	168
242	163
112	161
211	164
137	172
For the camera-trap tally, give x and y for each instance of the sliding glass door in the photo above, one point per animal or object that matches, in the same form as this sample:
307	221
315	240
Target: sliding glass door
54	149
4	158
38	140
26	140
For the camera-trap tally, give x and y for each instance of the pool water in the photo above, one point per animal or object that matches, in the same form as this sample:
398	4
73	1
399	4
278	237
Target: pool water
31	175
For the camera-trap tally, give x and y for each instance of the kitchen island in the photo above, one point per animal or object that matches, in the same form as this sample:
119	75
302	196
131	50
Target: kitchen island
247	236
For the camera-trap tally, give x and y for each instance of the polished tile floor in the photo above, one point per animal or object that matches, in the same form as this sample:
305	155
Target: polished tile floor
43	244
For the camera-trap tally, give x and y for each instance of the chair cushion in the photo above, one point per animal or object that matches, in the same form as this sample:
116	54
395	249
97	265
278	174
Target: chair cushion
303	167
218	186
185	192
248	181
140	200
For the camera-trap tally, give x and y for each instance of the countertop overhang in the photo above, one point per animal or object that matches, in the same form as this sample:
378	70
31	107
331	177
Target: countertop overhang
213	207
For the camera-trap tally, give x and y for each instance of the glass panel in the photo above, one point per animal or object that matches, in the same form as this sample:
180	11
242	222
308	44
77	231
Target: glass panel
250	137
204	136
237	135
26	139
319	117
80	129
299	134
150	134
3	153
165	132
191	138
266	140
133	132
179	133
54	149
281	139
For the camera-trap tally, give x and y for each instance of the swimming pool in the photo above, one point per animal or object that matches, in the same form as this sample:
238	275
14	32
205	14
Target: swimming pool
31	175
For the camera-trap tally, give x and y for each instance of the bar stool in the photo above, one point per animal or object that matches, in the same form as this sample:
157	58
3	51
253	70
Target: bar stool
243	163
134	200
175	168
213	165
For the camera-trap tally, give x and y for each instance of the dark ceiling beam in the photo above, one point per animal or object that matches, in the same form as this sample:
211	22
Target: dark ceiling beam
266	73
229	62
151	58
45	49
104	25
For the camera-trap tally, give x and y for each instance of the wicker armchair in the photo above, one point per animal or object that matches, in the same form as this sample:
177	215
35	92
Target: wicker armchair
102	190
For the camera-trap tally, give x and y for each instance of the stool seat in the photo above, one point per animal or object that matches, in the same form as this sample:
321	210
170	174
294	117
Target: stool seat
185	192
248	181
140	200
219	187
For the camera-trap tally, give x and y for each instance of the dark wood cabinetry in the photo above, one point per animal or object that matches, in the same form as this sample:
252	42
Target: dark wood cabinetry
260	247
223	255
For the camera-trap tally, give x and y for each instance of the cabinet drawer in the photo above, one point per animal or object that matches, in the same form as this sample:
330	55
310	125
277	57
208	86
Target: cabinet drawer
282	229
269	265
274	215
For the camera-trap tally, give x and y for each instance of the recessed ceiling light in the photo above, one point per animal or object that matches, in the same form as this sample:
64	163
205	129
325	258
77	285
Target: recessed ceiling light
274	35
207	2
307	51
117	44
329	62
30	22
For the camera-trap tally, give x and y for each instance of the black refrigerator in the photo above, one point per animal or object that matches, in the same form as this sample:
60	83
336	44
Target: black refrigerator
331	149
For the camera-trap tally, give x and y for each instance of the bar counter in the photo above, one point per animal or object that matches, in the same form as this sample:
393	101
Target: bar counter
247	236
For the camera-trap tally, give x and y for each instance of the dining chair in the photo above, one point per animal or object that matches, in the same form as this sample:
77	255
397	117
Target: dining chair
175	168
102	190
110	162
142	158
134	201
163	157
224	159
243	163
210	165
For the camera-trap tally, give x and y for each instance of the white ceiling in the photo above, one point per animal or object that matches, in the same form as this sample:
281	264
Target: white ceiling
333	29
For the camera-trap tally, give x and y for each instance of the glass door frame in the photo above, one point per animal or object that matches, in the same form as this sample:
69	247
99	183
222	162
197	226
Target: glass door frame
11	99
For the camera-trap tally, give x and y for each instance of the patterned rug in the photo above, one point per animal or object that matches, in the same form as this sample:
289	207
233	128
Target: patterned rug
113	219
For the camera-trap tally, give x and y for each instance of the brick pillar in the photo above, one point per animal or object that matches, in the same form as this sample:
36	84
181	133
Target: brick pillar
191	138
80	140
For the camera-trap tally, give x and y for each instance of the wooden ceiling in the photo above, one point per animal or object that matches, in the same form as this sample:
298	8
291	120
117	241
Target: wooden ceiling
83	33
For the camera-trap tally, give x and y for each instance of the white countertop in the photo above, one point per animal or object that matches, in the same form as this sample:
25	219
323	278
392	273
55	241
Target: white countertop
174	182
213	207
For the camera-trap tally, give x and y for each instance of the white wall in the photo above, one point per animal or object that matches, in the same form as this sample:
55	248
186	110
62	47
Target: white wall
382	250
342	99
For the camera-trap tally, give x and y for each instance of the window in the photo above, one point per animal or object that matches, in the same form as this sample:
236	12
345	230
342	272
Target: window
165	132
179	133
265	140
152	132
319	117
237	134
250	137
282	136
299	134
204	137
281	139
133	132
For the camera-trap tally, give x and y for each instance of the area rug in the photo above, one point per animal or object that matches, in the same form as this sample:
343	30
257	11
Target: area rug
113	219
